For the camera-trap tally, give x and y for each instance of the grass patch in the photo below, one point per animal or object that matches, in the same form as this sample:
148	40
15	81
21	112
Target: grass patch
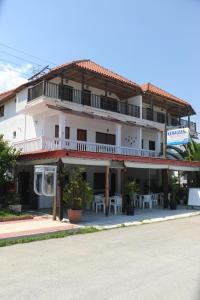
10	215
42	237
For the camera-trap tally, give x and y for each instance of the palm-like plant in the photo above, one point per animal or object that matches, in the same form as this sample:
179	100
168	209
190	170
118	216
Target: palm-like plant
192	151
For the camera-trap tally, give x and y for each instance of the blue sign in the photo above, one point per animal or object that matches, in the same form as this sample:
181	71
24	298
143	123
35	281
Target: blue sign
179	136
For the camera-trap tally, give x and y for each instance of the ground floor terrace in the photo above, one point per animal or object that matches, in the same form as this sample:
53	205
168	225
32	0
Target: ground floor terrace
108	174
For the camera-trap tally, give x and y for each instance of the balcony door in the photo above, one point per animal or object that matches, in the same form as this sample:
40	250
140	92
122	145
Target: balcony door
105	138
81	135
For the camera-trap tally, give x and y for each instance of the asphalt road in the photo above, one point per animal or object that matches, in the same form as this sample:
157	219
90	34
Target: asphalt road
157	261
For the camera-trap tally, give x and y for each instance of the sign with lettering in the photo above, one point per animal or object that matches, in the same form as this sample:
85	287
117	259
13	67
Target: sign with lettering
178	136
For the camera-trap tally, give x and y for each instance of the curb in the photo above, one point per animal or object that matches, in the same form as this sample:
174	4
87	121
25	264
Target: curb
148	221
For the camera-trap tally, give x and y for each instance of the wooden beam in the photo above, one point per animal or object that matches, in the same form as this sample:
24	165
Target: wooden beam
107	188
124	179
165	175
54	207
61	86
59	190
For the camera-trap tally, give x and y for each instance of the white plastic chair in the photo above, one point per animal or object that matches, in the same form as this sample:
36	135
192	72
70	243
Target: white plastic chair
99	203
116	203
147	199
155	200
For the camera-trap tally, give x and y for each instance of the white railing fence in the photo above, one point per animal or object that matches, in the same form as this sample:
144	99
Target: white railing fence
45	143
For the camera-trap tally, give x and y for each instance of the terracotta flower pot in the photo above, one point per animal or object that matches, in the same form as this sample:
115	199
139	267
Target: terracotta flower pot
74	215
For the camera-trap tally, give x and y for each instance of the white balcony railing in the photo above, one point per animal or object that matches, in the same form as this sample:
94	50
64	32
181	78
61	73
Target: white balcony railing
45	143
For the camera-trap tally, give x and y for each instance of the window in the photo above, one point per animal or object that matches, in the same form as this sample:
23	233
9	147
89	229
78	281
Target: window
67	132
152	145
2	111
14	134
142	143
56	131
105	138
160	117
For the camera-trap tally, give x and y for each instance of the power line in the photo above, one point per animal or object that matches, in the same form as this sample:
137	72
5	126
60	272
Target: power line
27	74
28	54
28	61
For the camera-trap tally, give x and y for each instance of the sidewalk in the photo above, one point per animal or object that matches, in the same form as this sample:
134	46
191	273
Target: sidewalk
35	226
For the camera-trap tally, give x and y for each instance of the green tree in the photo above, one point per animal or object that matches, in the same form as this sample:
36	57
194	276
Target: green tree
8	157
192	153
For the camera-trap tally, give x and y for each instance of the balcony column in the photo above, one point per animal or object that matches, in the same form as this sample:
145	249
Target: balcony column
61	87
61	129
188	121
141	107
118	137
158	142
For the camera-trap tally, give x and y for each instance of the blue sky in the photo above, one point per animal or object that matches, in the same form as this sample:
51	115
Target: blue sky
144	40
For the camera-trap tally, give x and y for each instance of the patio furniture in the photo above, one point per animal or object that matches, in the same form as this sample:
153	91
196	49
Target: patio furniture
137	201
155	200
99	203
116	203
147	199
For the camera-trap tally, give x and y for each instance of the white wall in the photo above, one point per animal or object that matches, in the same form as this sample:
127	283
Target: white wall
131	136
151	135
137	100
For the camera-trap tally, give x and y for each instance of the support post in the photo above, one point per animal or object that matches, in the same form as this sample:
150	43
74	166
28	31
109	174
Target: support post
54	207
124	179
61	87
107	188
188	121
60	190
158	142
61	128
165	175
118	137
82	88
149	181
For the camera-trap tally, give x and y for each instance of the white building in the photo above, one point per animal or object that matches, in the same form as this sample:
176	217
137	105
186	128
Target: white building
85	114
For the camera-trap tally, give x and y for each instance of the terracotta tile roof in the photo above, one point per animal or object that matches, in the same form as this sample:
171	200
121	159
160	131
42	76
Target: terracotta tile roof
91	66
149	87
7	94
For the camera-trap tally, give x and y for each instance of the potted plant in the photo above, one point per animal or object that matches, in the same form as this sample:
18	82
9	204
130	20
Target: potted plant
77	195
14	202
173	187
131	190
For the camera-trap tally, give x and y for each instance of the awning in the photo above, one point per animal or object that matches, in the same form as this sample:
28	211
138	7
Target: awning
85	162
160	166
184	168
144	166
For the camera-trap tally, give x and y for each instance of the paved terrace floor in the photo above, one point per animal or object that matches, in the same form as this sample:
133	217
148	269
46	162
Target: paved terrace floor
99	219
43	223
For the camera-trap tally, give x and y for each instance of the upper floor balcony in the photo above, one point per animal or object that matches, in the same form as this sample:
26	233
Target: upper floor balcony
43	143
85	97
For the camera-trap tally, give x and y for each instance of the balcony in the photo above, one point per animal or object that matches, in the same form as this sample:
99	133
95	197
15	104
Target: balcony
149	114
45	143
84	97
